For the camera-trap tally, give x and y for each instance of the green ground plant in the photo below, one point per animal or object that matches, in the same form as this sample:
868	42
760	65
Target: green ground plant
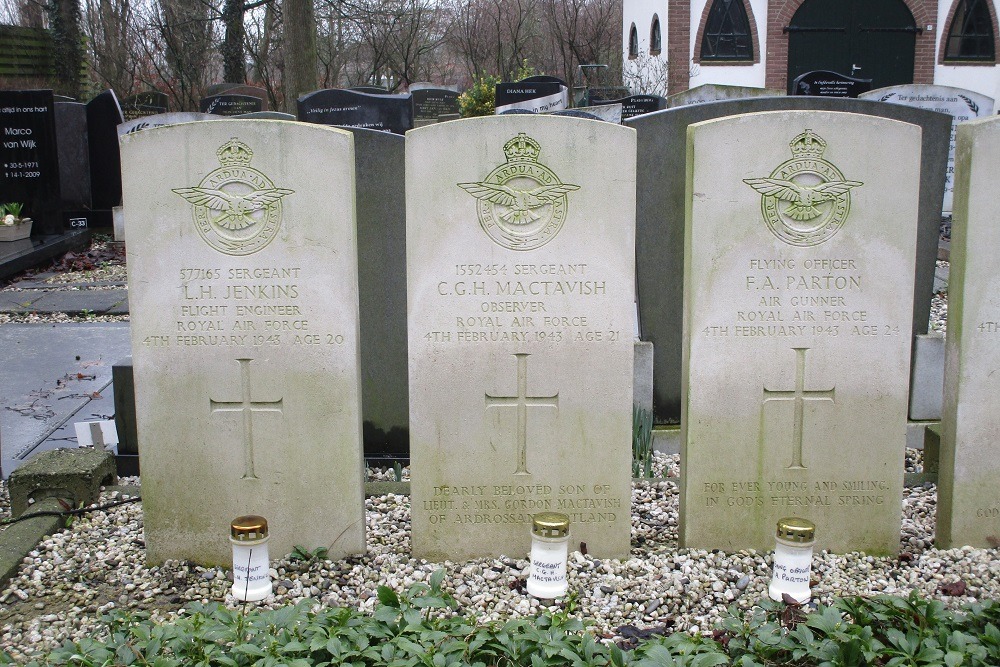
424	628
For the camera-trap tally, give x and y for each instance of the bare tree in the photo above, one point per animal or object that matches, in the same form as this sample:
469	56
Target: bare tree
184	30
115	54
495	36
299	20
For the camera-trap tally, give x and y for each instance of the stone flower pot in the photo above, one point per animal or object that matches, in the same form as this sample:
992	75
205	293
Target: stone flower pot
16	232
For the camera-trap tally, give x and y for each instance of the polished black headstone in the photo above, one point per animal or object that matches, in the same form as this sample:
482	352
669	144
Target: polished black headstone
104	115
140	105
607	94
636	105
823	83
231	105
29	162
381	212
348	108
541	96
74	154
660	206
429	104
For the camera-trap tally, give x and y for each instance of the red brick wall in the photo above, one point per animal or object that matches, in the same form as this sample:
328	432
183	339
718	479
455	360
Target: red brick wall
780	14
678	45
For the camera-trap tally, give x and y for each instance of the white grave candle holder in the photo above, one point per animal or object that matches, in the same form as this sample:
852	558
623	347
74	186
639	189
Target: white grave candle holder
251	565
793	550
549	551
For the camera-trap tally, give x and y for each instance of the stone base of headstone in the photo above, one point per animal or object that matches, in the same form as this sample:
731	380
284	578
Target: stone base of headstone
927	377
642	376
932	448
22	255
76	475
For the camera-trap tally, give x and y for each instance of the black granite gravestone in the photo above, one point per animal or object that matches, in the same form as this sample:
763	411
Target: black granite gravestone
537	94
103	117
74	155
29	158
231	105
636	105
140	105
660	207
429	104
348	108
823	83
381	210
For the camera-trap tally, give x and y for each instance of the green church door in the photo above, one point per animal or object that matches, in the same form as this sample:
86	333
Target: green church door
866	39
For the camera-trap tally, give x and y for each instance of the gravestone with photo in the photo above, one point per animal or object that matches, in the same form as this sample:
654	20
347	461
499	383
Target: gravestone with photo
29	157
520	332
537	94
660	216
348	108
823	83
960	104
243	283
799	265
714	92
968	510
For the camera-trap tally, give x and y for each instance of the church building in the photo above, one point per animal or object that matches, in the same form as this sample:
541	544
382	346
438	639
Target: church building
673	45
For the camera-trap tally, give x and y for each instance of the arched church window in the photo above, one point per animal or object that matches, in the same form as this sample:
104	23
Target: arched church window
633	42
727	32
970	36
655	39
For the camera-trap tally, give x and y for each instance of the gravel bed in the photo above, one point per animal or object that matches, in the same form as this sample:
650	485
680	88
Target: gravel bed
98	564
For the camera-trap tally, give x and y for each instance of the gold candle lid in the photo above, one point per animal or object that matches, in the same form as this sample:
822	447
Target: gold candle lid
550	524
249	527
795	529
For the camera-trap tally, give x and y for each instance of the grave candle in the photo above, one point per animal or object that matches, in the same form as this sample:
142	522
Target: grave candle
251	578
549	550
793	550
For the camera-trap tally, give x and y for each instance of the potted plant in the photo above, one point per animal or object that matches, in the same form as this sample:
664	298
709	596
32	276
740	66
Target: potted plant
12	226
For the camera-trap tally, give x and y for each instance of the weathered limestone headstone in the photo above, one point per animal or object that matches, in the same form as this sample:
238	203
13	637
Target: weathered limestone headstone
799	257
713	92
244	304
162	119
660	217
960	104
520	287
968	511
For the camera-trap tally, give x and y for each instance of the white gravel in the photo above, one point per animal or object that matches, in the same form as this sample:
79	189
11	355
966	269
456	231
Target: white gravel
98	564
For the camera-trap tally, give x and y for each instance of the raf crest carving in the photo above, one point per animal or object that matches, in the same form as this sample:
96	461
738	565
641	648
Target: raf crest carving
237	209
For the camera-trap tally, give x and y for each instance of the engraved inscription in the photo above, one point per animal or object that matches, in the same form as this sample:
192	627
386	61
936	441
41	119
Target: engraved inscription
247	406
522	402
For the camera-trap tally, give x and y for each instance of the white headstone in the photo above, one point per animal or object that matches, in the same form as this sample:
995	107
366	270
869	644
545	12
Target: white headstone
244	304
960	104
520	278
969	473
798	281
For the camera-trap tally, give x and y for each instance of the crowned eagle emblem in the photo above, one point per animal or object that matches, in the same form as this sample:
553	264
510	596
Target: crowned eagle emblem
522	204
815	196
237	209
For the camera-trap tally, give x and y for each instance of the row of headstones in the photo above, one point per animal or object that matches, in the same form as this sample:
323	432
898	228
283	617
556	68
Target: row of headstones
801	251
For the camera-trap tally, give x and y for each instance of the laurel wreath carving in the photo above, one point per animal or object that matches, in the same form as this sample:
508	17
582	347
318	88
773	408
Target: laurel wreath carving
885	97
973	107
